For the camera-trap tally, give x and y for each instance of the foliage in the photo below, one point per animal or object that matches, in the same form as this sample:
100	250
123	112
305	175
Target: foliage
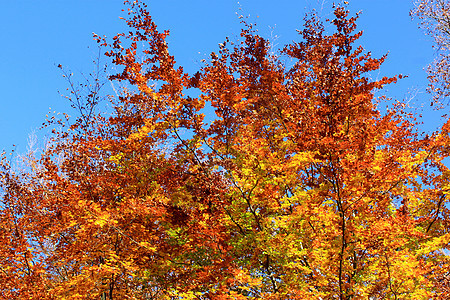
298	188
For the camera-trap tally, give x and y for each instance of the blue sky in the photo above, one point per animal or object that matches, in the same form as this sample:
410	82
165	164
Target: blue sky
38	35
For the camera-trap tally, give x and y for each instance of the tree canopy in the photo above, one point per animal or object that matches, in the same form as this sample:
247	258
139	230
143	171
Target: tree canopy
249	179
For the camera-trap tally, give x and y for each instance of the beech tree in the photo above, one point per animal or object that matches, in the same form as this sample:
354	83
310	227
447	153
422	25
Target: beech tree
434	16
299	187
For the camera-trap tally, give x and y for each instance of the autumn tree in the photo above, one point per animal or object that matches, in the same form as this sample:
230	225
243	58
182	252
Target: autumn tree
434	17
299	187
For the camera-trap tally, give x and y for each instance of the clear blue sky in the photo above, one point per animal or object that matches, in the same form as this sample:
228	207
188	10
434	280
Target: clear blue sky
38	35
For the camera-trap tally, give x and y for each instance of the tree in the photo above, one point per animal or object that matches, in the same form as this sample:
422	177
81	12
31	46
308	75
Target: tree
299	187
435	20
